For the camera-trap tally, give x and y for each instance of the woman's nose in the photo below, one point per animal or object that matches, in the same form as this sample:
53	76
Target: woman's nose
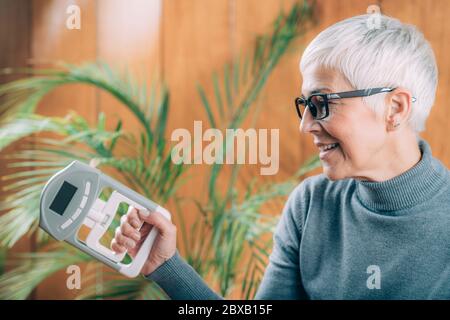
308	124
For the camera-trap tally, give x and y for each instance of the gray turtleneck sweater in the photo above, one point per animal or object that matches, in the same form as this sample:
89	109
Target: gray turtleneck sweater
351	239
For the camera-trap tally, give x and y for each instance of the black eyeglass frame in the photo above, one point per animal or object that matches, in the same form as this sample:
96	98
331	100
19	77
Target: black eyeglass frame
299	101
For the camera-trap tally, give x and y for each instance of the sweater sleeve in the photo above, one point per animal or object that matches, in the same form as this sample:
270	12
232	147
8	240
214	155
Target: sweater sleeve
180	281
281	279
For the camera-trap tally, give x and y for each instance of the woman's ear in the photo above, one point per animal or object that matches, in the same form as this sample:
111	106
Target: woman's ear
399	104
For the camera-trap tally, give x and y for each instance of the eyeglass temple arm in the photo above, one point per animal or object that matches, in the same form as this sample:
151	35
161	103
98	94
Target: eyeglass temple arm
362	93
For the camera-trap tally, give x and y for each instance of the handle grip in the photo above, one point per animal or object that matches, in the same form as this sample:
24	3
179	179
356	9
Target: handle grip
133	269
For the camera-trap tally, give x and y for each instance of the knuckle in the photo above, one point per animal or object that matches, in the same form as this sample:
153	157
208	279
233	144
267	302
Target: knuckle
133	218
133	214
116	247
135	223
125	228
121	240
114	244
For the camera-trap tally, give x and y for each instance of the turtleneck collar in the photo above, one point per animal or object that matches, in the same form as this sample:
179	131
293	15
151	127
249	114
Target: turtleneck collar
410	188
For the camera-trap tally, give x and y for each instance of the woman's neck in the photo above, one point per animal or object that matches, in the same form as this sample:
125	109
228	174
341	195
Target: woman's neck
400	154
420	183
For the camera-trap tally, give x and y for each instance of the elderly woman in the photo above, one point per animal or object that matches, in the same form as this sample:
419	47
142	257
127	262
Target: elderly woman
376	223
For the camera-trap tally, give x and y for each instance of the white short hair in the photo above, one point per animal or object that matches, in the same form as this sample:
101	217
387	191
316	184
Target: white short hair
390	54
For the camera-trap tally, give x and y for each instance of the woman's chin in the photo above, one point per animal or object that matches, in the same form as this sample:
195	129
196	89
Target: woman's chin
333	173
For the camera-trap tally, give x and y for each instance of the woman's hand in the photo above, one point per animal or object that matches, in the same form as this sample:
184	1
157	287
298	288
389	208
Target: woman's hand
128	237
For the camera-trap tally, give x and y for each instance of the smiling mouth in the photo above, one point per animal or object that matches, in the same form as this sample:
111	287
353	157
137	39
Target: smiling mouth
326	150
328	147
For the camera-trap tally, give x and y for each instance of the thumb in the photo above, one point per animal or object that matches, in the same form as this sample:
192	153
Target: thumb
157	220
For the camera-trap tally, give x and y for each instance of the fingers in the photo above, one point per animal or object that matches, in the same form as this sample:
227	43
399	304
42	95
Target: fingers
133	218
117	247
157	220
127	230
129	234
124	240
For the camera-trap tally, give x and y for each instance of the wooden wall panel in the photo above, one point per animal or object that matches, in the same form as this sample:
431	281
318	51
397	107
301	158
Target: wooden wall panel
52	41
14	52
128	39
183	42
431	17
196	43
274	101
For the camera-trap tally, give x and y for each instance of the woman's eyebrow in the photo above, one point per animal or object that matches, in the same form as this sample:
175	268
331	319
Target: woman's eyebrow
319	90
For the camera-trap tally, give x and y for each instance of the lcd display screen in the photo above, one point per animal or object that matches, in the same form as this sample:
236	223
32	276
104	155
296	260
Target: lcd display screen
63	198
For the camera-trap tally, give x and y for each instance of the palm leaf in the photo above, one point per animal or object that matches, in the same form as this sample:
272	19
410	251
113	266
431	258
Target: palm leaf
115	287
235	226
33	268
227	223
24	126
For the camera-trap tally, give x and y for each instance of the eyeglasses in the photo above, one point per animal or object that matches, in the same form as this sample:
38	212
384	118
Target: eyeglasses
318	102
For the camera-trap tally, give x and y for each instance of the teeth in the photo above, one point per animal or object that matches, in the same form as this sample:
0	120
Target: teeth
328	147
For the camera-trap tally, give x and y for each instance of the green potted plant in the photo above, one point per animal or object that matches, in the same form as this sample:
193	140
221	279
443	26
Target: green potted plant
230	240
